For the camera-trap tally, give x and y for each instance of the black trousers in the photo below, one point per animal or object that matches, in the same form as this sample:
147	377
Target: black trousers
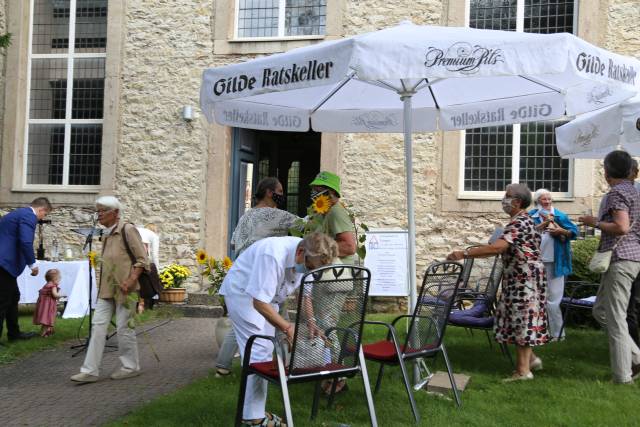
9	298
633	311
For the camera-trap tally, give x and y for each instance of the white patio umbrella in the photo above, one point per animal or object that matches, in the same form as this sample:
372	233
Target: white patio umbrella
593	135
418	78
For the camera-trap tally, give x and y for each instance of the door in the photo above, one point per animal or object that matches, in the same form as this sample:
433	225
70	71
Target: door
294	158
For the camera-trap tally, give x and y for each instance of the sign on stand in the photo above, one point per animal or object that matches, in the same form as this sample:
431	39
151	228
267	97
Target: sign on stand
387	260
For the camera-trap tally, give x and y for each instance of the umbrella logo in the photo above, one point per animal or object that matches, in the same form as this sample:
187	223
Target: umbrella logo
463	57
584	139
598	94
375	120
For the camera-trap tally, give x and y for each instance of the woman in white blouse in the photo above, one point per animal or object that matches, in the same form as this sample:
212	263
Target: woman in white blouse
266	219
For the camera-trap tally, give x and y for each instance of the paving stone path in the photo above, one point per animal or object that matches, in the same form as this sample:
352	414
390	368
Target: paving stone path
36	391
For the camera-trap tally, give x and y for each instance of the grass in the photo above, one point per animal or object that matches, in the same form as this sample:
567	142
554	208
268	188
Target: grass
66	330
573	389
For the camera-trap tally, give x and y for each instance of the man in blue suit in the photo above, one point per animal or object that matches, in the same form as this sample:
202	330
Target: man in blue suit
17	230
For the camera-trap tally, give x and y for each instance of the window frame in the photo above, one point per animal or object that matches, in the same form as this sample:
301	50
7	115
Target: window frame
516	133
69	56
282	4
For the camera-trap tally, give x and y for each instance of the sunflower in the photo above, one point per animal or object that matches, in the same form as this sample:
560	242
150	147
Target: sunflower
321	204
227	263
92	255
201	256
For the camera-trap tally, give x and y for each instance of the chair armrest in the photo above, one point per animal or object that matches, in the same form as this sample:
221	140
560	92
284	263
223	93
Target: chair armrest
391	334
247	350
579	286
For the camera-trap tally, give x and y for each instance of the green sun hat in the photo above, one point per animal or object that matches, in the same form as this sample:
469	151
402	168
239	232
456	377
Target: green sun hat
327	179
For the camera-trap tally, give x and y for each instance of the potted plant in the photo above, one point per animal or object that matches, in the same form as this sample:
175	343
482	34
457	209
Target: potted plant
172	277
214	271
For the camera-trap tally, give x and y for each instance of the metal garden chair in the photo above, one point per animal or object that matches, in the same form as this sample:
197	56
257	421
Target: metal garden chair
426	328
578	295
327	339
481	315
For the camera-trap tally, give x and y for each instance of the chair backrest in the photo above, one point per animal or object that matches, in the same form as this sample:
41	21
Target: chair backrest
330	316
494	280
428	322
467	267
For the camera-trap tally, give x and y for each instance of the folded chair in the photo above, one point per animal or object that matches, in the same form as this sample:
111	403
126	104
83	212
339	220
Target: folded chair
425	330
327	339
578	295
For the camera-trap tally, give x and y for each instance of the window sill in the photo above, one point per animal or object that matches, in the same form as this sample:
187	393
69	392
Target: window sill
76	189
275	39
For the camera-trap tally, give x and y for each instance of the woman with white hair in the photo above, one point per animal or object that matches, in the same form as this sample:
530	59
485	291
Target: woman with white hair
118	277
557	231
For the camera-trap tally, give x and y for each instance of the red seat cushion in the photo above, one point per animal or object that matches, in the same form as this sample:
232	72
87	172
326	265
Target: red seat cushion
385	351
270	369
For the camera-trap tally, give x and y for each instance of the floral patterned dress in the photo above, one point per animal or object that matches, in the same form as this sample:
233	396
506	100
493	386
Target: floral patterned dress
521	315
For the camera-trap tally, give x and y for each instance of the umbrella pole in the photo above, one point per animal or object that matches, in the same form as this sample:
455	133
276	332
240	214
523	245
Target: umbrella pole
408	165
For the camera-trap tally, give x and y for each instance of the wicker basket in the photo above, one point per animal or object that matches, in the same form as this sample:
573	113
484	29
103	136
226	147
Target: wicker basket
173	295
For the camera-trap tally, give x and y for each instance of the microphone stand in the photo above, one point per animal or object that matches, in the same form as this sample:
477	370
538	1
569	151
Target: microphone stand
86	249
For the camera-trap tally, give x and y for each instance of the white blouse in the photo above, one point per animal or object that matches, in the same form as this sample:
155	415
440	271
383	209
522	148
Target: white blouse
258	223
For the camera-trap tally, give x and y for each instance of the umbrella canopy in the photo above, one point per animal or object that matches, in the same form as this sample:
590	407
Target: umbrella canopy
593	135
418	78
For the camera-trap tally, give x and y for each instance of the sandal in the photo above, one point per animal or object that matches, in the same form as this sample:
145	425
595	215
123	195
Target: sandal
222	372
270	420
342	386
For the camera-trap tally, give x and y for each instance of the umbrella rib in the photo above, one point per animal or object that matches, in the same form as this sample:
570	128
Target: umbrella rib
333	91
433	95
536	81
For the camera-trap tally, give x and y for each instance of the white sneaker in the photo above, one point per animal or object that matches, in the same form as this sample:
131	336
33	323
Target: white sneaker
84	378
518	377
122	374
536	365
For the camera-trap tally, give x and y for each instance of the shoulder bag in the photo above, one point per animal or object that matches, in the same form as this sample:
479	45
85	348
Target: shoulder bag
149	280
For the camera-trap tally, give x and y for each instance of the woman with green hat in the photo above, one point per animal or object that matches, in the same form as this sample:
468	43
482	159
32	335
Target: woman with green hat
325	195
337	222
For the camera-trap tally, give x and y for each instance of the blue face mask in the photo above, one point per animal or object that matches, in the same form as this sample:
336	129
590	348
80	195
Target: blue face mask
300	268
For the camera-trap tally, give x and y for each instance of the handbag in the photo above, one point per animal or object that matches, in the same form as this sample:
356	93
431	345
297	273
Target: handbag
149	281
600	261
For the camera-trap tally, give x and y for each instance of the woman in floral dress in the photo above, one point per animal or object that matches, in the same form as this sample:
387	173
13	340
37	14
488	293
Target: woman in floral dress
521	316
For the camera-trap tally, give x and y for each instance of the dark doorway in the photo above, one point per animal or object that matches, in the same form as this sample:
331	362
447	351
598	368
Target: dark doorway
292	157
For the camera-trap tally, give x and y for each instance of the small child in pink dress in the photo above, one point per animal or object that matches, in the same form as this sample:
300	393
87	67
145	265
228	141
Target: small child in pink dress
47	305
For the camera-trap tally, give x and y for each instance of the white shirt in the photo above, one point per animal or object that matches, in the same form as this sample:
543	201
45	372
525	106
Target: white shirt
264	271
152	241
546	243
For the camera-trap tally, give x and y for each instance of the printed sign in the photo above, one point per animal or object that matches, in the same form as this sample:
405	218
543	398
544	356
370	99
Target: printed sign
388	262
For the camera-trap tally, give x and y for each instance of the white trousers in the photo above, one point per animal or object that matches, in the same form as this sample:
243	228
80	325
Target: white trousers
555	291
262	351
127	343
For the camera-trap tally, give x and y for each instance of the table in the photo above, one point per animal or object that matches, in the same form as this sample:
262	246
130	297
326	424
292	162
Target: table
74	285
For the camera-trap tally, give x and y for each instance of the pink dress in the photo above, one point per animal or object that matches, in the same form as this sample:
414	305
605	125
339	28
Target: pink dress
46	307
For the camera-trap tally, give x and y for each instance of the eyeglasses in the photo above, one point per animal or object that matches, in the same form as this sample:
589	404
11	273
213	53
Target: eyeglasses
103	211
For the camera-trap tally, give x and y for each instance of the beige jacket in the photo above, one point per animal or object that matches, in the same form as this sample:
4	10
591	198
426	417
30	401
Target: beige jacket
115	265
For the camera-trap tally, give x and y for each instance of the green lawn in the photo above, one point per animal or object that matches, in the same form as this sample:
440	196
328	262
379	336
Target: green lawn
573	389
66	330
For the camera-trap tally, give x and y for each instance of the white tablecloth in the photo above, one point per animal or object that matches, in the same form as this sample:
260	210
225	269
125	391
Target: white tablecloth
74	285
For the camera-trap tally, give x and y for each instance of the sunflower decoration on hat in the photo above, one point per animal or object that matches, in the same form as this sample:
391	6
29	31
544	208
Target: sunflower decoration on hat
321	204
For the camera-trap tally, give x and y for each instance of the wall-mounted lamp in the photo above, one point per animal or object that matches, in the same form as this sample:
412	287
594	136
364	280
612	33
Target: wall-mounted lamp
187	113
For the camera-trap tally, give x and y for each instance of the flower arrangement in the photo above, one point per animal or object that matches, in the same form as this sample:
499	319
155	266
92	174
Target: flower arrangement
173	275
93	258
214	270
314	221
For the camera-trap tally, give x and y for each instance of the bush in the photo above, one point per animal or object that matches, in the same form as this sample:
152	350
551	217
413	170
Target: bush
583	250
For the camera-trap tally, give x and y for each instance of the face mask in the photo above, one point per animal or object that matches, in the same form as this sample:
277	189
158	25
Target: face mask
506	205
315	194
280	200
300	268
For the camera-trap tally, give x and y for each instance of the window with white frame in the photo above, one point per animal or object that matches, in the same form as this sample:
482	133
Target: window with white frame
67	54
496	156
280	18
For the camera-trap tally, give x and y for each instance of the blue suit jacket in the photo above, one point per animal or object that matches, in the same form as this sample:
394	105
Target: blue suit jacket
17	229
